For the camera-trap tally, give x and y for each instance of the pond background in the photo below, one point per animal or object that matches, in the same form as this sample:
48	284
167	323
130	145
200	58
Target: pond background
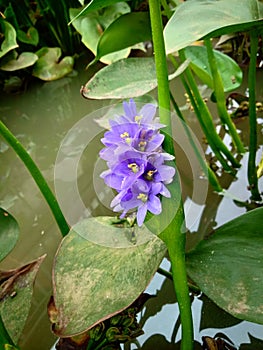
40	118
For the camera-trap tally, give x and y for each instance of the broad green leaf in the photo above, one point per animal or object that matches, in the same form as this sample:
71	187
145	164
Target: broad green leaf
30	37
93	5
9	233
229	70
15	295
26	59
99	270
125	78
118	35
228	267
196	19
9	42
92	26
48	67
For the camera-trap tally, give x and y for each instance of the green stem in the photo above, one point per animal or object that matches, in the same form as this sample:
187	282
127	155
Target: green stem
207	120
252	171
37	176
205	167
172	235
220	97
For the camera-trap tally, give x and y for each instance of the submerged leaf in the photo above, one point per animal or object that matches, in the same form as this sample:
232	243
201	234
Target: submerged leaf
15	297
48	66
228	267
210	17
99	270
9	233
229	70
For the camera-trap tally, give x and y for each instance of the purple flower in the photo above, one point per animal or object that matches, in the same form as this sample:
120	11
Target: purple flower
143	196
136	162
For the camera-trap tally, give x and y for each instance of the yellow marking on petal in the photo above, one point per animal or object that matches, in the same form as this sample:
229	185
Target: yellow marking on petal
138	119
143	197
142	145
149	174
124	134
134	167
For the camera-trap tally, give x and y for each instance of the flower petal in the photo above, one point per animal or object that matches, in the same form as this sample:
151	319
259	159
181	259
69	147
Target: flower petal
141	213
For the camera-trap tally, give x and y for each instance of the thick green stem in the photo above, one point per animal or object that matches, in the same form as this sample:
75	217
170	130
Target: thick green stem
172	235
37	176
206	117
252	171
220	97
205	167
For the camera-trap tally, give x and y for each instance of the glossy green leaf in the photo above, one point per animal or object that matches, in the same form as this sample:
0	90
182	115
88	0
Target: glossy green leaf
48	67
229	70
228	267
118	35
125	78
26	59
9	233
9	42
196	19
94	5
99	270
30	37
15	295
92	26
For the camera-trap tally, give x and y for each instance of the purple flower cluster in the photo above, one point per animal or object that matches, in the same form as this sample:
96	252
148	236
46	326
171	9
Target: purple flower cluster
136	161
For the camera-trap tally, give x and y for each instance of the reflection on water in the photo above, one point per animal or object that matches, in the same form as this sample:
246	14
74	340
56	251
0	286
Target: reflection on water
40	119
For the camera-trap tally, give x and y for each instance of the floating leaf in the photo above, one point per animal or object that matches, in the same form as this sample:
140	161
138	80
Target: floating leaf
229	70
48	66
210	17
9	233
99	270
26	59
15	297
125	78
92	26
9	42
228	267
117	36
30	37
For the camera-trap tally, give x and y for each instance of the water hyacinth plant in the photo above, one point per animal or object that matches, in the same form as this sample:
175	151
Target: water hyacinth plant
95	284
136	162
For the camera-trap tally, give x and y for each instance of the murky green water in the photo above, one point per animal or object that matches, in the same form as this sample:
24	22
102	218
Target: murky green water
41	118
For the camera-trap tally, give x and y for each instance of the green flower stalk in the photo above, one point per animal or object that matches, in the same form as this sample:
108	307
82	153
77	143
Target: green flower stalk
220	97
37	176
173	236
